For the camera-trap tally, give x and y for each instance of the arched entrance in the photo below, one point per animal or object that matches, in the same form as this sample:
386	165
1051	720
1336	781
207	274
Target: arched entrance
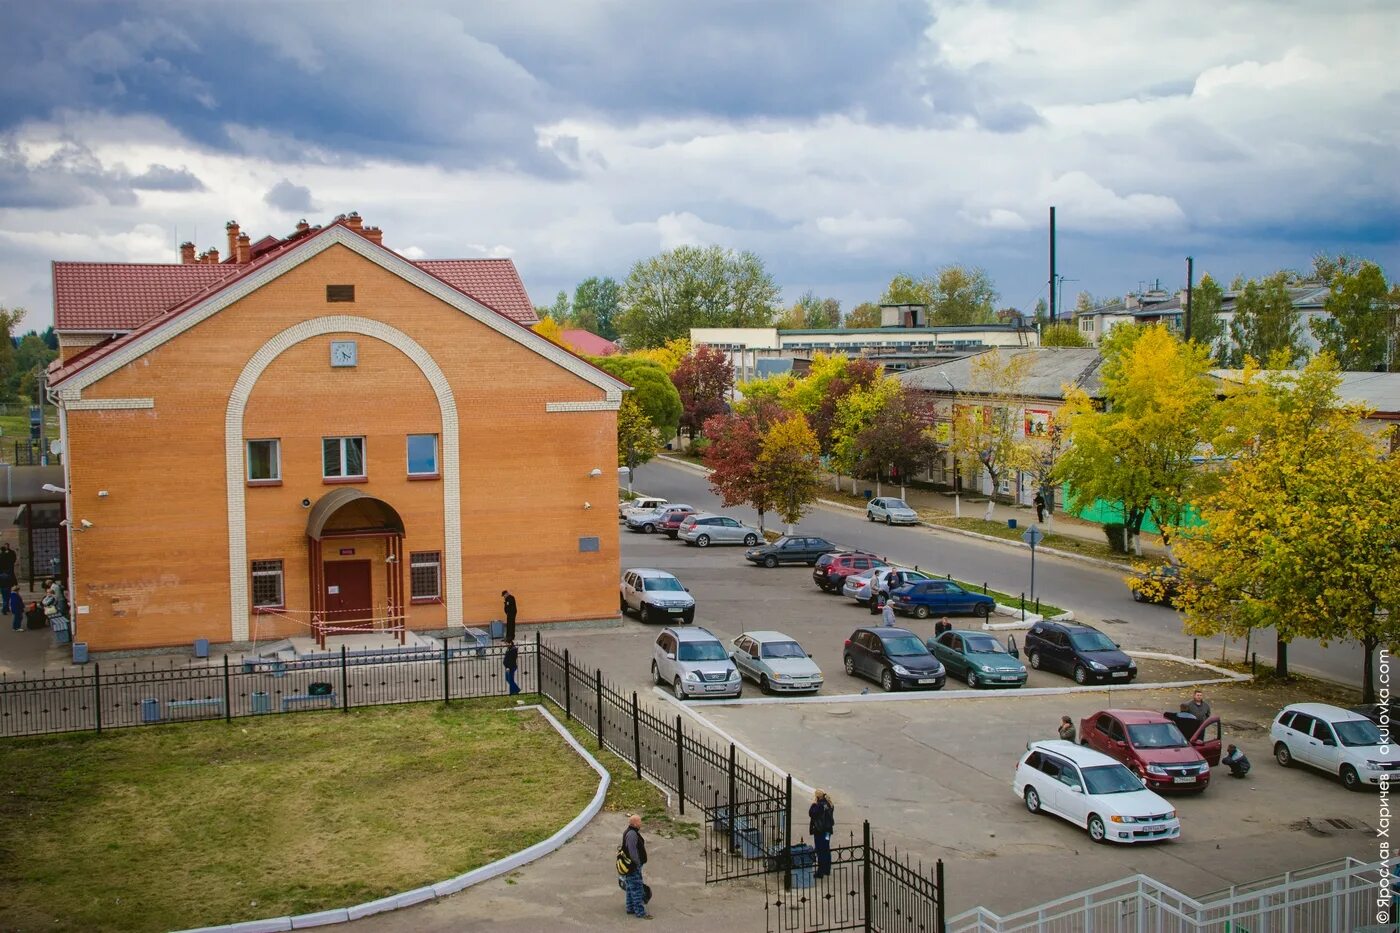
354	553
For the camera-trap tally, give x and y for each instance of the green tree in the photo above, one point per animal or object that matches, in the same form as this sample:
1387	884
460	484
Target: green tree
900	440
1062	334
561	311
637	438
904	289
1360	327
1264	321
963	295
811	313
32	356
651	386
788	466
9	320
865	314
1139	450
855	412
1042	311
596	302
691	286
1207	326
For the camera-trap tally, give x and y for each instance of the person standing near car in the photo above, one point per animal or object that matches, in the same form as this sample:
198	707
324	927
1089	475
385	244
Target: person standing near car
634	847
1198	706
888	613
821	817
510	614
510	661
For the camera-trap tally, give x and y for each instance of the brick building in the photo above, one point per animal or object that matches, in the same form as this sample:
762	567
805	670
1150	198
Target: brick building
319	431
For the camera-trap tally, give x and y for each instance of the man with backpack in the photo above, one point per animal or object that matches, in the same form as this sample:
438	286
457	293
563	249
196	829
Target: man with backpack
631	856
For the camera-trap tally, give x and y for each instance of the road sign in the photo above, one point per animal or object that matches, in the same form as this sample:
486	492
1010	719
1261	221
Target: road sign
1033	536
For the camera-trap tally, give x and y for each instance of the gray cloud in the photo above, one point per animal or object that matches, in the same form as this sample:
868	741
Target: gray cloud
164	178
286	196
71	176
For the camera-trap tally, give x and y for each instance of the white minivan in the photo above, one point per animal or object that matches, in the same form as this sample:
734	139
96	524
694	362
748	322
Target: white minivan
1334	740
1093	791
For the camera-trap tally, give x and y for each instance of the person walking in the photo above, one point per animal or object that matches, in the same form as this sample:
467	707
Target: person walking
1066	729
634	847
1236	761
1198	706
821	817
15	606
510	614
8	580
888	613
510	661
1040	507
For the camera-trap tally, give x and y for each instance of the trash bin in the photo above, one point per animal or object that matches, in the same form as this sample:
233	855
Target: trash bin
804	862
80	652
262	703
1011	523
201	647
748	838
497	628
869	494
150	710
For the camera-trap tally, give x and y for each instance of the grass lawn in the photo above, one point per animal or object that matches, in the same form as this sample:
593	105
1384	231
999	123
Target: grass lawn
184	825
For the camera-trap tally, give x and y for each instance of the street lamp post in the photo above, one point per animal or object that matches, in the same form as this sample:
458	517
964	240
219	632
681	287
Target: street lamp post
953	443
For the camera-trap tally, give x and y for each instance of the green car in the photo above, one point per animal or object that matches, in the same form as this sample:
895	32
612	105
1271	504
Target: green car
978	658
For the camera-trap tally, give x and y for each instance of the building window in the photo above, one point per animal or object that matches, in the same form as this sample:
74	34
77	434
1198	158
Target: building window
422	455
264	461
343	457
340	293
267	584
425	575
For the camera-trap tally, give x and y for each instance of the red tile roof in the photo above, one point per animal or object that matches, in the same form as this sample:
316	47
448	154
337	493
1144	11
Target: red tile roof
493	282
588	343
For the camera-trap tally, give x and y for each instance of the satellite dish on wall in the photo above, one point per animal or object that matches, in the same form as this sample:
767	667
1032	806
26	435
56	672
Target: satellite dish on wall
55	447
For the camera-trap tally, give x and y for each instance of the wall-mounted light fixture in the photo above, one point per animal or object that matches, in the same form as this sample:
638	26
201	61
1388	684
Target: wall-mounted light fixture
587	506
595	473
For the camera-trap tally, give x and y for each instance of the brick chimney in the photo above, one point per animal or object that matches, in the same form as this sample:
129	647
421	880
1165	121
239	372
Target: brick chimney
303	226
244	250
354	222
374	235
212	257
231	228
187	252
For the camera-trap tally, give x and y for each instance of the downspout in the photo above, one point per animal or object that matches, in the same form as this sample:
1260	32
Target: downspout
68	510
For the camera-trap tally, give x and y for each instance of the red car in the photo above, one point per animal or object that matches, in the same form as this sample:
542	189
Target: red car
671	520
831	570
1153	746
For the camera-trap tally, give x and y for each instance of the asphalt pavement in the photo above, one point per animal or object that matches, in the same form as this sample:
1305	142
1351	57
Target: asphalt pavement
1096	594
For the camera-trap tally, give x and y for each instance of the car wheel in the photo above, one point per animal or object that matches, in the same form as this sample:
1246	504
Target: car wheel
1081	674
672	535
870	516
1282	755
811	563
1096	830
1035	659
702	541
850	666
888	682
678	690
972	680
655	674
1032	800
763	684
750	540
921	612
770	561
887	520
688	617
982	610
623	601
1350	779
1137	597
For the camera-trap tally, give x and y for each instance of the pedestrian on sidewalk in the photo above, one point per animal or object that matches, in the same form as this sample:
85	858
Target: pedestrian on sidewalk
1040	507
510	614
821	816
1066	729
510	661
15	606
8	579
632	855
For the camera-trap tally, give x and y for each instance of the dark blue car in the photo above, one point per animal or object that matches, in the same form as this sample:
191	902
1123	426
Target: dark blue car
925	598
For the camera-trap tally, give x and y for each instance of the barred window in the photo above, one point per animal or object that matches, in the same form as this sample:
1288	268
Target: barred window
267	583
425	575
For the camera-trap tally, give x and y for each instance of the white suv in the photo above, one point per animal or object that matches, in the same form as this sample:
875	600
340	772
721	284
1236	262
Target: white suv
1334	740
694	663
638	505
655	595
1094	791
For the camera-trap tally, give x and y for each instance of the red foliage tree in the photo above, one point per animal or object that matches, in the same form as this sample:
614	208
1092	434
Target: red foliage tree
900	439
860	373
732	456
703	379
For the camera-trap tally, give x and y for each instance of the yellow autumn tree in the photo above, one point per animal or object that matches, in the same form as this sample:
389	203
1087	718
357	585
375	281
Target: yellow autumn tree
549	329
668	357
986	433
788	467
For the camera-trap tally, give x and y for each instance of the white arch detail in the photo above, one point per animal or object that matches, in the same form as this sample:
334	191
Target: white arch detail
239	597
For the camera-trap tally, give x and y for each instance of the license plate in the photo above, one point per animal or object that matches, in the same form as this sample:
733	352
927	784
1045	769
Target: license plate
676	611
1184	780
718	688
1120	673
928	680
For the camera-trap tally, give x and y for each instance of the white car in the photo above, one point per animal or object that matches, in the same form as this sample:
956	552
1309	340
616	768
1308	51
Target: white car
640	504
858	587
1334	740
656	596
775	662
1092	790
891	511
647	520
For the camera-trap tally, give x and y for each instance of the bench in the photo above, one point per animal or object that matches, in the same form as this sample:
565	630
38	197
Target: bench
300	698
214	703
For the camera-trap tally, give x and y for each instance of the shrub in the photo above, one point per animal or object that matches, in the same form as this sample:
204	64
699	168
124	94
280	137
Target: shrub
1114	532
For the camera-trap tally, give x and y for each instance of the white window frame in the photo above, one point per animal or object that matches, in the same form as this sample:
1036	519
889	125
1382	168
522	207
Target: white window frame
267	571
344	439
276	476
408	458
418	559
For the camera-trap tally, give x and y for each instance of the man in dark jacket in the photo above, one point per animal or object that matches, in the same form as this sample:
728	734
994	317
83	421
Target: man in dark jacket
510	614
636	848
511	661
821	816
8	559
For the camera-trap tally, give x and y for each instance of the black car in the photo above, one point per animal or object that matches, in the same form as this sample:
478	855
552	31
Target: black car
1159	585
1078	651
790	549
1376	712
893	658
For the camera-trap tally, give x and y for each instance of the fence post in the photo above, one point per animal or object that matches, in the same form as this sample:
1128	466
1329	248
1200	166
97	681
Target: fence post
598	702
730	801
539	665
680	764
97	694
1023	607
1037	605
568	698
787	834
344	681
1193	649
942	912
228	708
636	736
867	896
446	674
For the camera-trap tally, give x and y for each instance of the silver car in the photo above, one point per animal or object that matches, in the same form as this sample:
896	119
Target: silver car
656	596
705	529
693	663
648	520
891	511
858	587
775	662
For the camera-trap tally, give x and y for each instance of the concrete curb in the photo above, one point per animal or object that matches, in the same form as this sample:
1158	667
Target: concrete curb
451	885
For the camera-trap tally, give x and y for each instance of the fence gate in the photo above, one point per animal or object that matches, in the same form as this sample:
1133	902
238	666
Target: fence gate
745	840
810	904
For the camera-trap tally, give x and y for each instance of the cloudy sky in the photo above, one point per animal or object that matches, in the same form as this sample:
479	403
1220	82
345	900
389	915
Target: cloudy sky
841	141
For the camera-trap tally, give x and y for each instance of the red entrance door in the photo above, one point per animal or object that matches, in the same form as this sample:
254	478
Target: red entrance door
349	591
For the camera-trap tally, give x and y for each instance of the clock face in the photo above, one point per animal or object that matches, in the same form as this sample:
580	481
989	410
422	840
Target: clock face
343	353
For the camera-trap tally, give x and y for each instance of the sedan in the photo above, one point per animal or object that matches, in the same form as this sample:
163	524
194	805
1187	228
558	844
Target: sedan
858	587
893	658
1151	745
891	512
648	522
775	662
790	549
940	597
702	530
1091	790
978	658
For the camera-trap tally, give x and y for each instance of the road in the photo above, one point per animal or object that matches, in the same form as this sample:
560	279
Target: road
1097	595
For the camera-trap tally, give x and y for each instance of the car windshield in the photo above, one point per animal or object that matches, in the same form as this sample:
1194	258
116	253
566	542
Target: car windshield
903	645
982	644
1156	735
1111	779
663	583
783	649
1092	641
1357	733
701	651
895	504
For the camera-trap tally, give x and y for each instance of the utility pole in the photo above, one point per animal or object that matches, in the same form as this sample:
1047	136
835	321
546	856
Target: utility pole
1190	286
1052	265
